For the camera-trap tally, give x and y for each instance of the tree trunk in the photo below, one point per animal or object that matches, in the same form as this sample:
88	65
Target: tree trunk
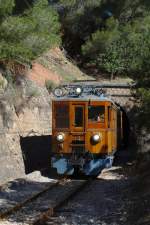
112	76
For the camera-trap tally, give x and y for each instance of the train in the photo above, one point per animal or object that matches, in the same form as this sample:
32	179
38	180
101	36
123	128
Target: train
87	129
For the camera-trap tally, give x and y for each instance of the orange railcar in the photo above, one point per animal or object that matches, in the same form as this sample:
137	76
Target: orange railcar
86	132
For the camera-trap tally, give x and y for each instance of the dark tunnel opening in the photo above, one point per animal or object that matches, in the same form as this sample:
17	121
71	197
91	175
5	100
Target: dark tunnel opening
36	152
126	128
127	151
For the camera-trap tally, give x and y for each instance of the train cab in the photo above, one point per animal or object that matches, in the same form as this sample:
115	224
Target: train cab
86	132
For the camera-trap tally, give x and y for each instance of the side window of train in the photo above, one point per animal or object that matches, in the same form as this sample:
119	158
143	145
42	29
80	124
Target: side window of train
109	116
96	114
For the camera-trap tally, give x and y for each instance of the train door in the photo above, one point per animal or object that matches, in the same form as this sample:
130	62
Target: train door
78	117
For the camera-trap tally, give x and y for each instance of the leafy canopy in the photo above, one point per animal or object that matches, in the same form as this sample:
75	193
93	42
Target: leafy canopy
25	36
6	7
121	49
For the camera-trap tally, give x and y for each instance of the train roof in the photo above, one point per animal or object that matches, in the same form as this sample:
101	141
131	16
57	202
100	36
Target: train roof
88	98
84	98
86	91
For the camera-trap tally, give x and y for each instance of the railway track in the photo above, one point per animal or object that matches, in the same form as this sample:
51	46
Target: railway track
41	204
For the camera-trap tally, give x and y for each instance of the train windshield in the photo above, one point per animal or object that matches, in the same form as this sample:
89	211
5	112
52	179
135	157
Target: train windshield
96	114
78	116
62	115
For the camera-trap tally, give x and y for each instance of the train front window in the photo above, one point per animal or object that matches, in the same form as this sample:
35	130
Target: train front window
78	116
96	114
62	116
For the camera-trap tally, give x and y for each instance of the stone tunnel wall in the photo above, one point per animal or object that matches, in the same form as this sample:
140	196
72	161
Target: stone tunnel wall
139	138
124	97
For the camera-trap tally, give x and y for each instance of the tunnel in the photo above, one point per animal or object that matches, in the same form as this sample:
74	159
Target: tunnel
36	152
126	128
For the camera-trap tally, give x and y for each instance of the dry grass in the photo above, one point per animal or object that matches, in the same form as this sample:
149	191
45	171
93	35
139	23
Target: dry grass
55	61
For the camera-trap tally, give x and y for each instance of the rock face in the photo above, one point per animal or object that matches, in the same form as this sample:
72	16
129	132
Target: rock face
3	83
40	74
11	161
143	141
24	111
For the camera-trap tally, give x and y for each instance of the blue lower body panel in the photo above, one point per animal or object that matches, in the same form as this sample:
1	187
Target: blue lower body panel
62	166
95	166
91	168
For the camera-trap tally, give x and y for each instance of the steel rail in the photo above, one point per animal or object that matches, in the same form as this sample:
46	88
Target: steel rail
43	205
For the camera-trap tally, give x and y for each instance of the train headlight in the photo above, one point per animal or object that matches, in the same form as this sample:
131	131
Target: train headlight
60	137
96	138
58	92
78	90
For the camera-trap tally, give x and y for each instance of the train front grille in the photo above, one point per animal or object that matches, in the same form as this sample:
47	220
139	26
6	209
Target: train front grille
78	146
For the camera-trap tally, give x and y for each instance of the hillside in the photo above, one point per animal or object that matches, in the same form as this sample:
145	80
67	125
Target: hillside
55	66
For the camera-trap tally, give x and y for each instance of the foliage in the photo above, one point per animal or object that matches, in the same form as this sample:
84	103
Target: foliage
118	48
6	7
32	92
24	37
144	109
79	19
50	85
103	48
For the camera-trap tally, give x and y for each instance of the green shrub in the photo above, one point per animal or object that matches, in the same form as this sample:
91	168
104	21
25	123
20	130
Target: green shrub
50	85
32	92
25	36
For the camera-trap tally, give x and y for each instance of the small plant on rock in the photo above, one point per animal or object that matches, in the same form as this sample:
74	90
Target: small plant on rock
50	85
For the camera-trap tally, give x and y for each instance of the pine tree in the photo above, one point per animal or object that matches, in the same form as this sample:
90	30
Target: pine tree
6	8
25	36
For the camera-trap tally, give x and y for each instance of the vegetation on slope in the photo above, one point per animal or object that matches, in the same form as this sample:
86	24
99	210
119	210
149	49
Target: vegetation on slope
27	33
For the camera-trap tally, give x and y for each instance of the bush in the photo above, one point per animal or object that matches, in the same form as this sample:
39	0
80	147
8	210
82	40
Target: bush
121	49
50	85
32	92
